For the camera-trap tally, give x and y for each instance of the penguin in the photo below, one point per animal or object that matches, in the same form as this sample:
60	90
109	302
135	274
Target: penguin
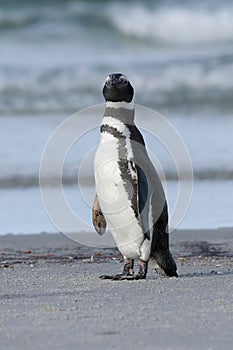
129	199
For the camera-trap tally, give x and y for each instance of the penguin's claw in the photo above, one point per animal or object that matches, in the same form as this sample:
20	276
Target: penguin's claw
123	277
128	277
119	277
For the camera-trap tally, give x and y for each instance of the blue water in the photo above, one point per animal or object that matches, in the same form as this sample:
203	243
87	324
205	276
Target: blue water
54	58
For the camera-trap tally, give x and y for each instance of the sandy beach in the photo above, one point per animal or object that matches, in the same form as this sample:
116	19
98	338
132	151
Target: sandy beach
51	296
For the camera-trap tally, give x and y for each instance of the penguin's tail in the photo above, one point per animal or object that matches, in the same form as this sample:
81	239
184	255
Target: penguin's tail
160	254
164	264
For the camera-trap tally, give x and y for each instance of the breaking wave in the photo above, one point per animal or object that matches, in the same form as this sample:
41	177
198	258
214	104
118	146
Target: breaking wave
176	25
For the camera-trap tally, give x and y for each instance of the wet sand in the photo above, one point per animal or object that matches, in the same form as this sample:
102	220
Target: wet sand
51	296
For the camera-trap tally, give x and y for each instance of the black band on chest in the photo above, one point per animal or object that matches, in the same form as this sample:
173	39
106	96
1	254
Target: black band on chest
111	130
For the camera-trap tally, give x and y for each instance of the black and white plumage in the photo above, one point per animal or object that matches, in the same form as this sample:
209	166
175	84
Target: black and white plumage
130	197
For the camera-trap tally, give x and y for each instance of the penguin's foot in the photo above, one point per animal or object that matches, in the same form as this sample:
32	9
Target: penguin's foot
142	272
127	274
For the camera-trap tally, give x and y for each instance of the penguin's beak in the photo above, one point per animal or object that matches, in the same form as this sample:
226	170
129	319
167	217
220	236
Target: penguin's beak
112	80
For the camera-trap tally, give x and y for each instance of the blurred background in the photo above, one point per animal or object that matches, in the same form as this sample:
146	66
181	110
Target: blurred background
54	58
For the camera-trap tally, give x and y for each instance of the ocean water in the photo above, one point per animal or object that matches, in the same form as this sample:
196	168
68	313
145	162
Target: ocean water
54	58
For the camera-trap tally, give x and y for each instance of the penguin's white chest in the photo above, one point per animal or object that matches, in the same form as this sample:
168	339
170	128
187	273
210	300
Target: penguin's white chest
115	196
107	173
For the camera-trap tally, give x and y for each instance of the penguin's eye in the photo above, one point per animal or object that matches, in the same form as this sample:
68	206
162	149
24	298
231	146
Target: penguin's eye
123	80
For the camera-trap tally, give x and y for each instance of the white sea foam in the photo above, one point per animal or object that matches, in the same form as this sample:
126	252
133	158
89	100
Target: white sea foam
46	90
175	24
193	77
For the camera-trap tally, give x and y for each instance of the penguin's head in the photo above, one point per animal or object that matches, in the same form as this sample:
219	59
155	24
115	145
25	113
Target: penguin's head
117	88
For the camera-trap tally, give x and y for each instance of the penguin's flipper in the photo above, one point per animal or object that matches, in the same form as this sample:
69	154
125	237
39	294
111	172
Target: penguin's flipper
98	218
143	200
